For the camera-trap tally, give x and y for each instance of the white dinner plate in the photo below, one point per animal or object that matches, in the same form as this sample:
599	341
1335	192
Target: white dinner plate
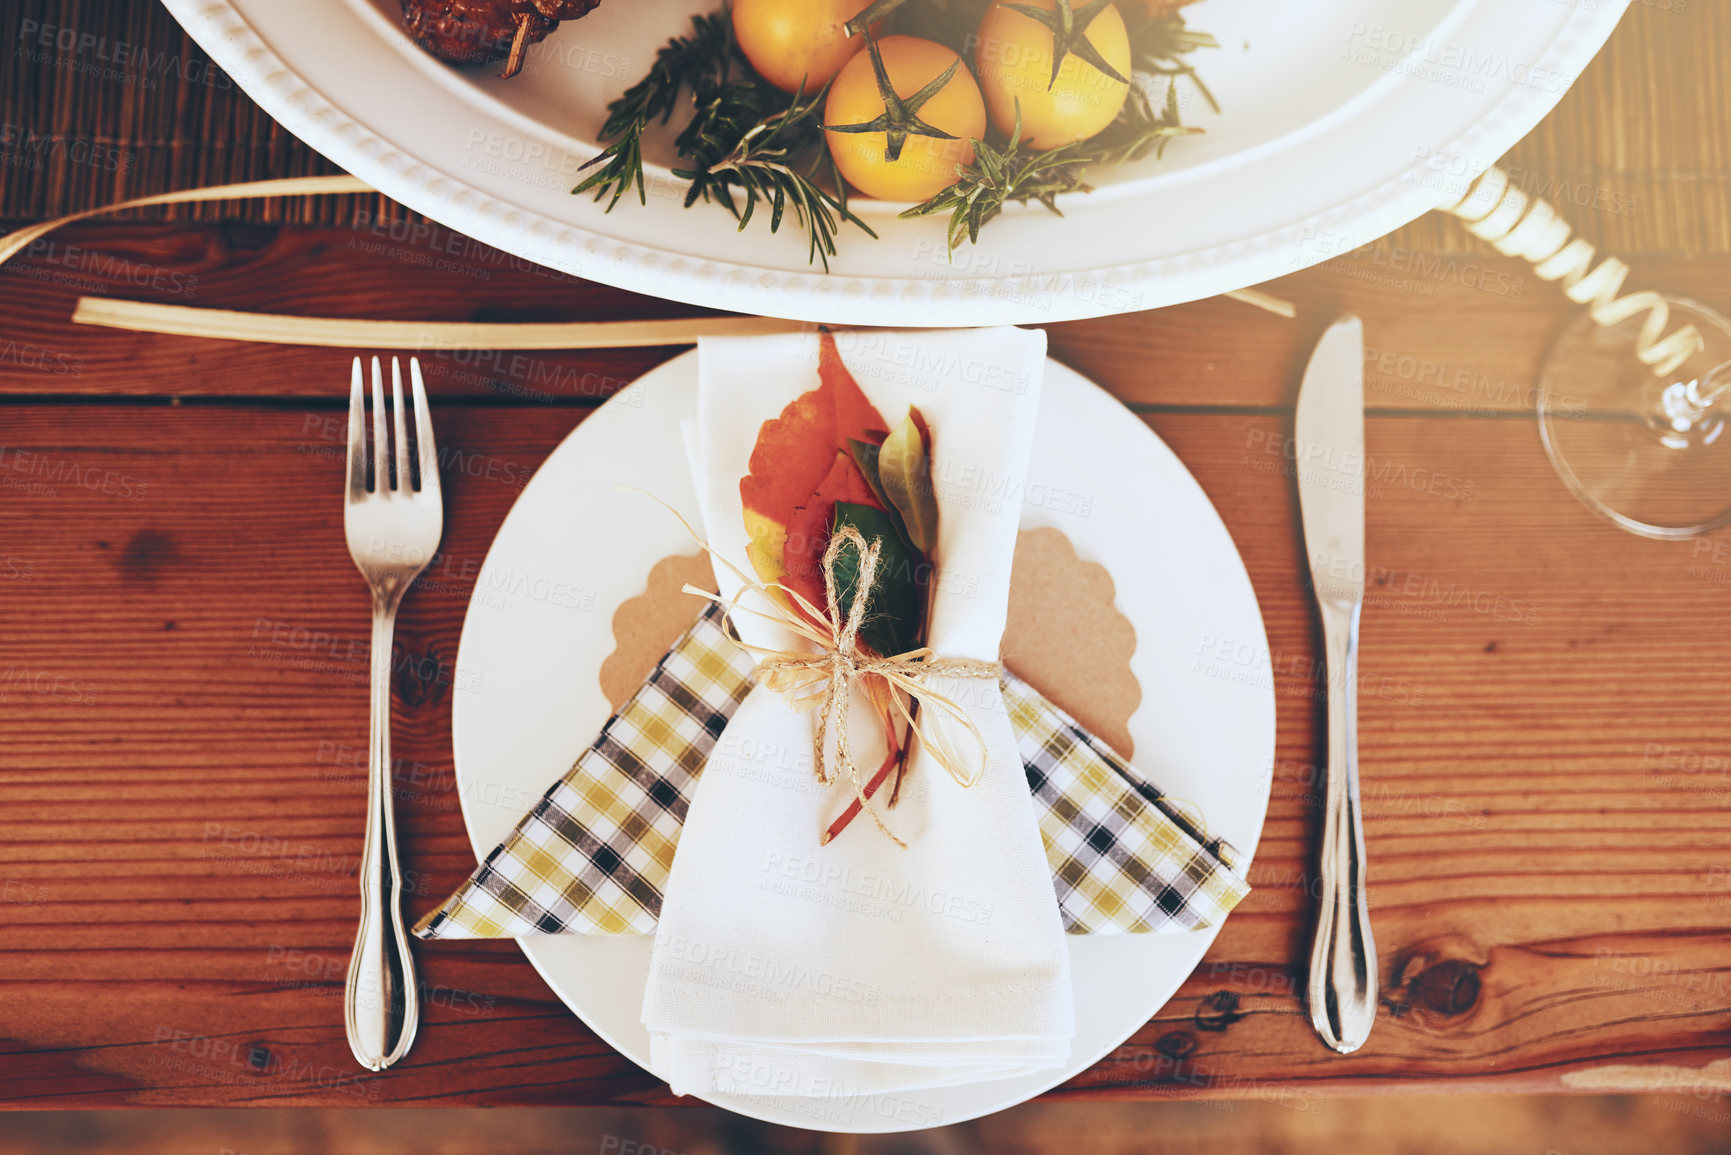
574	547
1341	120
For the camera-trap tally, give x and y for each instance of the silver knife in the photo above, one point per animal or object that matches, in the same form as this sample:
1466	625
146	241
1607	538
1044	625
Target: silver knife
1329	456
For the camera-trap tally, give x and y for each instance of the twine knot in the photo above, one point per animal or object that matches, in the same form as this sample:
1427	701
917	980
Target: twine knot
823	681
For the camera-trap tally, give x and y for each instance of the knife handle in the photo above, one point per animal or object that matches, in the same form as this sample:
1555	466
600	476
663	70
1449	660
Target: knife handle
1343	974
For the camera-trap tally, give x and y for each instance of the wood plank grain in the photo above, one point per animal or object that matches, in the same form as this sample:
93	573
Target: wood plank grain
1546	773
1484	358
375	269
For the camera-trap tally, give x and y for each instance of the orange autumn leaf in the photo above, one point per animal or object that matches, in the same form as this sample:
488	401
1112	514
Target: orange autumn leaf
795	453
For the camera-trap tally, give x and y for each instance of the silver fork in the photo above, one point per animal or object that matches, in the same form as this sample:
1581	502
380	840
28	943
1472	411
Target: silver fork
393	531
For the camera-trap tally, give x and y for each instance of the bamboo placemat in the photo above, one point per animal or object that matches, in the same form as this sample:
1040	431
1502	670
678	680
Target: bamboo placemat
133	108
1639	151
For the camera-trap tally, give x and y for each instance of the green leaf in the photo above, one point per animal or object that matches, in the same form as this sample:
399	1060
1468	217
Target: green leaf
865	459
865	456
896	604
905	470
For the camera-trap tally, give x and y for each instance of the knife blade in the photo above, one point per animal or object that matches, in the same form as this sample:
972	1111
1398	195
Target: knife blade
1330	464
1329	461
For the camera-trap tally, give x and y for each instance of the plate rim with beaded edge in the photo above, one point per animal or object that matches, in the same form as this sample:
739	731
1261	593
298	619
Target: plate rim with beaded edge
1363	114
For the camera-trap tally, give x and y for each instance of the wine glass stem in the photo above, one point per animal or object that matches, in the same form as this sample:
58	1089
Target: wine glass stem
1685	405
1714	385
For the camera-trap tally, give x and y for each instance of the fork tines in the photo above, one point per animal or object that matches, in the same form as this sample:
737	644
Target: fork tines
390	473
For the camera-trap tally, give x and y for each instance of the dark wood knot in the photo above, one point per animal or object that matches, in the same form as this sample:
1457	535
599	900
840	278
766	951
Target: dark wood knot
1442	988
1217	1011
1176	1044
246	236
422	679
147	554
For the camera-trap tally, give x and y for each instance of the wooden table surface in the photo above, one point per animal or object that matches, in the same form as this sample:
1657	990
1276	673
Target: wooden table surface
1544	733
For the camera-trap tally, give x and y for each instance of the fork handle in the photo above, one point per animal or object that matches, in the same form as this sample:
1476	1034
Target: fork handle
381	1005
1343	970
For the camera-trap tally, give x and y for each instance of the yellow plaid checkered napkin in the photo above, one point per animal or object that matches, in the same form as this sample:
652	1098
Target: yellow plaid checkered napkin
593	856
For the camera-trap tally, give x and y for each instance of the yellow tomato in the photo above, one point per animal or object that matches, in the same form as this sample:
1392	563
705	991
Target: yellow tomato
927	164
796	42
1014	61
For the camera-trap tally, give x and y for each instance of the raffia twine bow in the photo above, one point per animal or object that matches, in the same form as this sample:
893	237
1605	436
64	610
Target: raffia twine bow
823	680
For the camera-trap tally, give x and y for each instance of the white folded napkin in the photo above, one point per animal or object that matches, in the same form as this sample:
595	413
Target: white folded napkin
782	967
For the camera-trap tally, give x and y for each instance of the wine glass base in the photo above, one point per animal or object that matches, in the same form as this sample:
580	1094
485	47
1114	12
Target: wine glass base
1629	444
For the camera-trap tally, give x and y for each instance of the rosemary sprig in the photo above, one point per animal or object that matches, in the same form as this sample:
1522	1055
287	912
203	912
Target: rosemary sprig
1000	174
1139	129
742	141
1159	47
1009	172
702	60
760	165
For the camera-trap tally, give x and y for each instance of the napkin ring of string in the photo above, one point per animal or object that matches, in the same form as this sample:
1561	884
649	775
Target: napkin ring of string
823	680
